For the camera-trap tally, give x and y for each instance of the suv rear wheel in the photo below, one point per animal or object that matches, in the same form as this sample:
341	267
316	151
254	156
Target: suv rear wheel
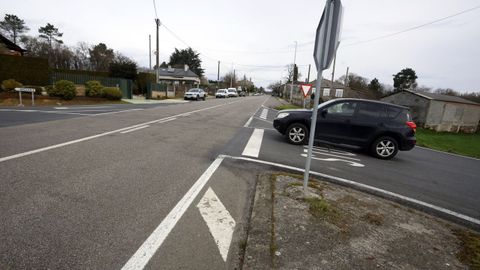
297	134
384	147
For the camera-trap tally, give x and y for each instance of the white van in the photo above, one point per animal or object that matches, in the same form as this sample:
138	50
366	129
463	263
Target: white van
232	92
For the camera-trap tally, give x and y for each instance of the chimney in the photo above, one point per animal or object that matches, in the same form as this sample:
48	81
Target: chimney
186	68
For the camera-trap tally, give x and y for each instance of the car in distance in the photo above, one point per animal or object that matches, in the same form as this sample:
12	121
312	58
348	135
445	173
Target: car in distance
195	94
242	94
221	93
381	128
232	92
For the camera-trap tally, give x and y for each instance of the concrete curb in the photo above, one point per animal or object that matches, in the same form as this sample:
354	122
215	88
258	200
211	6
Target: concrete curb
443	213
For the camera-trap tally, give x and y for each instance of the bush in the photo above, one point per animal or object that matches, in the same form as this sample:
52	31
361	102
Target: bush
112	93
63	89
10	85
93	89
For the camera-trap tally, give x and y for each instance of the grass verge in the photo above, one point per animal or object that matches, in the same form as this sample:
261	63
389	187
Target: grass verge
458	143
287	107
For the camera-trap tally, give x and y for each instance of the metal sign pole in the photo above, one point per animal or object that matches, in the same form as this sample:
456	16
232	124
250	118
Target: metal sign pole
20	97
33	98
326	43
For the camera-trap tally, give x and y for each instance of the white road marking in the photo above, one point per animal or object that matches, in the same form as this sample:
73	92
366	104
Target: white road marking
167	120
332	151
446	153
19	155
264	120
219	221
40	111
328	154
141	257
351	163
248	122
365	187
264	114
252	149
265	101
61	108
116	112
134	129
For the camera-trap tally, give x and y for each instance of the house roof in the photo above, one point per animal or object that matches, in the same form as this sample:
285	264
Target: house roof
440	97
176	72
10	45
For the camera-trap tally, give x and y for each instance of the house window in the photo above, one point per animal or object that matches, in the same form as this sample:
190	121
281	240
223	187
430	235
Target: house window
339	93
326	92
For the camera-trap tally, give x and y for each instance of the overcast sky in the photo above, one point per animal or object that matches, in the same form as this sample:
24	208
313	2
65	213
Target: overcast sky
257	37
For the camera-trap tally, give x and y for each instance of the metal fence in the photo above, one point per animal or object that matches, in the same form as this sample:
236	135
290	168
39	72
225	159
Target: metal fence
124	85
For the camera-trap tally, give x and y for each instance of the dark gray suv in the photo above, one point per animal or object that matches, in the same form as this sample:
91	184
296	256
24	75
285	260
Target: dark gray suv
382	128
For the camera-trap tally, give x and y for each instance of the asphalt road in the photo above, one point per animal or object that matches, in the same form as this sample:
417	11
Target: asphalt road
440	179
148	187
12	116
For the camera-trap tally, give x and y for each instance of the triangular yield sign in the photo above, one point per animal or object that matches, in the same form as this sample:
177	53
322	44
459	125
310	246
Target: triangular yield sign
305	89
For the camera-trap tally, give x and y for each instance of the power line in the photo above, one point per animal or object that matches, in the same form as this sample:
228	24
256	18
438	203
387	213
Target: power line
155	9
413	28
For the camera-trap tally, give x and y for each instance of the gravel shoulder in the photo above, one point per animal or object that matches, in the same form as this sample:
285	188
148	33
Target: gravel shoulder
341	228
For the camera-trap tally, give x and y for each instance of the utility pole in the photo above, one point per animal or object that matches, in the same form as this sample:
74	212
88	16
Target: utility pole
233	78
333	71
218	75
346	78
150	52
308	78
157	22
293	72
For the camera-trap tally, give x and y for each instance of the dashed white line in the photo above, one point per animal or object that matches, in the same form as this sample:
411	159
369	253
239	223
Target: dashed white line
134	129
116	112
219	221
264	114
252	149
248	122
141	257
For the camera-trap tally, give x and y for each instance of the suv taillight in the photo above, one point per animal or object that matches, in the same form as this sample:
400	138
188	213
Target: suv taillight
412	125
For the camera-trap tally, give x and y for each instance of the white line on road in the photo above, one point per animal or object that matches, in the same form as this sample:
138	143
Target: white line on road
248	122
141	257
264	114
252	149
365	187
219	221
134	129
446	153
116	112
19	155
166	120
264	120
327	154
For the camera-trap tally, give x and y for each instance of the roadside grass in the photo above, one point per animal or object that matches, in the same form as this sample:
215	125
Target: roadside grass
320	208
458	143
470	248
287	107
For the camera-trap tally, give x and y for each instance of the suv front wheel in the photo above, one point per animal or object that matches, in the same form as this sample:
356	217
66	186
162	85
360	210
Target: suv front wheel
297	134
384	147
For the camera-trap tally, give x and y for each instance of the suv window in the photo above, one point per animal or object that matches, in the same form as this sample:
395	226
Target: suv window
342	109
398	114
367	110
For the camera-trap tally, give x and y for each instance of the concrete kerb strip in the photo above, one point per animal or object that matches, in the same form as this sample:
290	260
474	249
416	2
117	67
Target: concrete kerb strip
438	211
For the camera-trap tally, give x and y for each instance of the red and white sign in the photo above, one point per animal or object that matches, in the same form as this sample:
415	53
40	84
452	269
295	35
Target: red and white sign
305	89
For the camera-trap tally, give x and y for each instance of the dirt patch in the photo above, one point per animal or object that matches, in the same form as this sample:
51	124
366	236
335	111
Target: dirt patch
340	228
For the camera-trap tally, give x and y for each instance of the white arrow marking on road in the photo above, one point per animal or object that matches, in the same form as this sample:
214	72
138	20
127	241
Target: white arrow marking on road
219	221
351	163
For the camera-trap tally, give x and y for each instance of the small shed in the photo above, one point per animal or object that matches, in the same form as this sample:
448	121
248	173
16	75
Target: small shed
439	112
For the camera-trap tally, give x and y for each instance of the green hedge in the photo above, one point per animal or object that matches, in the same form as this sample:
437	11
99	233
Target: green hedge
93	89
27	70
63	89
112	93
